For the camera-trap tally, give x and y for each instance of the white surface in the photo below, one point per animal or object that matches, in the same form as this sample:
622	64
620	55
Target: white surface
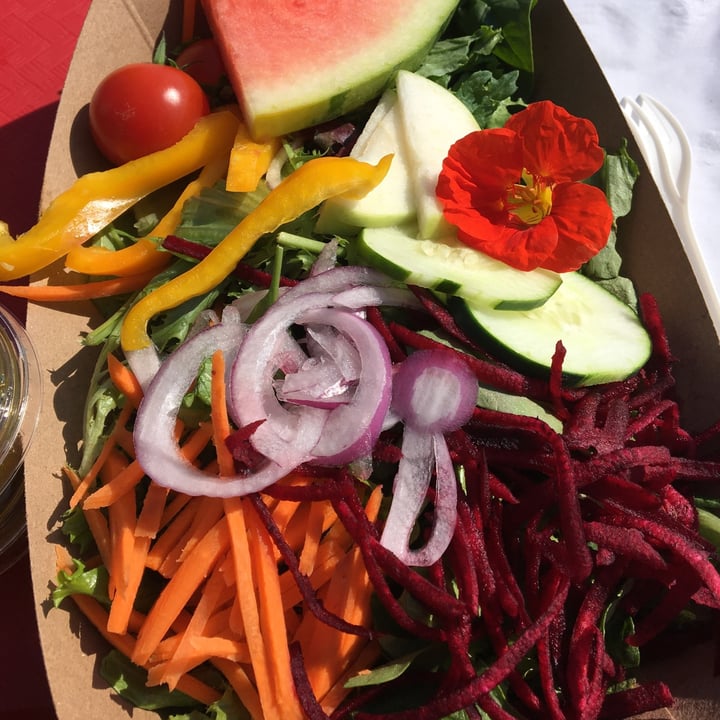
669	49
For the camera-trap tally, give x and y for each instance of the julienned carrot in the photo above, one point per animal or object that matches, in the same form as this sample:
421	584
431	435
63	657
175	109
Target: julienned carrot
97	523
347	595
242	685
116	486
272	617
219	415
313	534
170	537
121	521
365	660
123	378
80	290
97	615
151	513
180	588
89	480
209	512
186	656
122	607
125	481
248	606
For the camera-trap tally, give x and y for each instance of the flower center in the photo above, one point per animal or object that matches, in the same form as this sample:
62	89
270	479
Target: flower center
529	200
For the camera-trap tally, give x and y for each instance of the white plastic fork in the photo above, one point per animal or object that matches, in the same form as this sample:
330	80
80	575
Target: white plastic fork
668	155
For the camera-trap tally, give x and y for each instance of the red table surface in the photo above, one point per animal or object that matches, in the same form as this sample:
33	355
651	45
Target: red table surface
37	40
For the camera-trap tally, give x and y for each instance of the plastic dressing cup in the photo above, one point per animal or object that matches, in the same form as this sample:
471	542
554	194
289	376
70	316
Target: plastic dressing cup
20	394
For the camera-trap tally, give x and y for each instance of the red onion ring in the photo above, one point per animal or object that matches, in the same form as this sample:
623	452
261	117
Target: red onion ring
352	429
155	444
433	392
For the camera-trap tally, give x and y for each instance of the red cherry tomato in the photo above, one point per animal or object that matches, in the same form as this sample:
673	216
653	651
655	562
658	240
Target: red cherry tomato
144	107
201	60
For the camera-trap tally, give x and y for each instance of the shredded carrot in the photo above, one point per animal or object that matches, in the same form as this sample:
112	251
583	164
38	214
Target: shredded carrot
97	615
179	589
247	602
80	290
242	685
126	480
219	415
150	517
89	480
123	378
96	521
272	619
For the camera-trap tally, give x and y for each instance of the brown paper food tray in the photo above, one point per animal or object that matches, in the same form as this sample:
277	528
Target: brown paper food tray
116	33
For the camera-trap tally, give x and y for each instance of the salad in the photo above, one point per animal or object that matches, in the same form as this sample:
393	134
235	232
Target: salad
322	491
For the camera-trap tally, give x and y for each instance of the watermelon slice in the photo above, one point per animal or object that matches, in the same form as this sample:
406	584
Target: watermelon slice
296	63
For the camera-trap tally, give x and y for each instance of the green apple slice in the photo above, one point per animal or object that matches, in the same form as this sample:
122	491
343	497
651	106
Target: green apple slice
392	201
432	120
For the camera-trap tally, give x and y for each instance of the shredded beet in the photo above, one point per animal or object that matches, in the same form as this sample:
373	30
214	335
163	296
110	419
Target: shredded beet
551	530
242	271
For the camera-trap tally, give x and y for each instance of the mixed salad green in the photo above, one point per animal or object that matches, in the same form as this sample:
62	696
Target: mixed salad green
576	538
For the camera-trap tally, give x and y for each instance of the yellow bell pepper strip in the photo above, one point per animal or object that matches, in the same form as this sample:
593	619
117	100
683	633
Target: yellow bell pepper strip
144	254
96	199
249	160
304	189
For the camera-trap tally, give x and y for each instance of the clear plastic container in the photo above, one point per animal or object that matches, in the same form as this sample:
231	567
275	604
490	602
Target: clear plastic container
20	394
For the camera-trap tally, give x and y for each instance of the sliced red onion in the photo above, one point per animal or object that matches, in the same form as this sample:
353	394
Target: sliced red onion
317	383
421	454
352	429
144	364
373	295
154	433
434	391
325	341
326	259
252	398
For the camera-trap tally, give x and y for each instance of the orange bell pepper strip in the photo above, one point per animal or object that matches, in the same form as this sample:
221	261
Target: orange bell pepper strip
304	189
249	160
96	199
144	255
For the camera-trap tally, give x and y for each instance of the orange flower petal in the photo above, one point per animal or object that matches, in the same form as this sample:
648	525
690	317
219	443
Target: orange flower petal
557	146
584	219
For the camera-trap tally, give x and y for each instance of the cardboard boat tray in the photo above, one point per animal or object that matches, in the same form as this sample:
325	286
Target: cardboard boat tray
116	33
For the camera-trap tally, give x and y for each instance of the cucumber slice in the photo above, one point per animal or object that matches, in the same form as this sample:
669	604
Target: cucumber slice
493	399
604	338
451	267
391	201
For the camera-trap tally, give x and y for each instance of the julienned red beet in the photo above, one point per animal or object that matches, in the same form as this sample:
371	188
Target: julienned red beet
551	528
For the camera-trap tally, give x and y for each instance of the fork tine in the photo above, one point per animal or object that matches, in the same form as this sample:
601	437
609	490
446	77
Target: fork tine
646	117
682	177
643	122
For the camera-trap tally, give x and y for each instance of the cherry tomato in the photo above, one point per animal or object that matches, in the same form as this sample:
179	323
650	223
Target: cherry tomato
201	60
144	107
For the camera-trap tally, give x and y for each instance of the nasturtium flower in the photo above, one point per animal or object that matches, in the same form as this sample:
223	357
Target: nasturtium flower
516	193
